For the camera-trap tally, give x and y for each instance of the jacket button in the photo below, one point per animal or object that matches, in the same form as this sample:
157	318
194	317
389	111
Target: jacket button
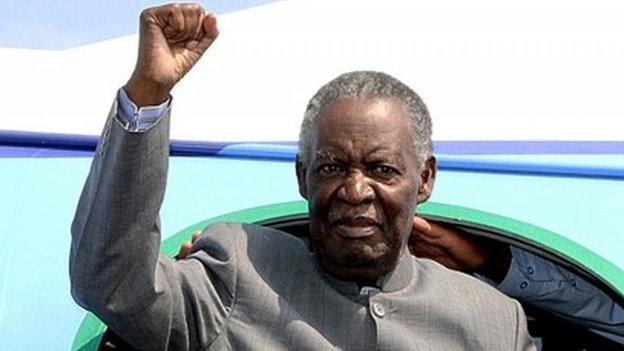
379	310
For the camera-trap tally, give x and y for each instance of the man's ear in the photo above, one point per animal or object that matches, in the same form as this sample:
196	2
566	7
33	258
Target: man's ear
427	179
301	170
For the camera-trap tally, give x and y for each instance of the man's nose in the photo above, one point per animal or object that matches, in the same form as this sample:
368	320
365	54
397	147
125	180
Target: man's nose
356	189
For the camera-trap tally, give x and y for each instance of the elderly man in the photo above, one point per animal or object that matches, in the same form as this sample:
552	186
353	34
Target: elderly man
365	164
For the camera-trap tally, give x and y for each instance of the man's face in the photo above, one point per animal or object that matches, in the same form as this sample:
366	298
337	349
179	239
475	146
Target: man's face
362	181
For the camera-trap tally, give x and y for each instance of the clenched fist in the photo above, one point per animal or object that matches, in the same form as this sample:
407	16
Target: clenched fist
172	39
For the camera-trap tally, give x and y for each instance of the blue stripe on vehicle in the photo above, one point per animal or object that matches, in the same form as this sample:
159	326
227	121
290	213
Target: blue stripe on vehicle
206	148
457	163
40	152
29	144
287	153
520	147
269	151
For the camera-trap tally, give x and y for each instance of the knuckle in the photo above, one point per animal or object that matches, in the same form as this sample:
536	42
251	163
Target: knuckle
186	9
192	9
145	14
174	9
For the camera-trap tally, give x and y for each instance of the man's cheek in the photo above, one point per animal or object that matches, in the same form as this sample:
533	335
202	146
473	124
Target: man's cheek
402	218
317	208
320	199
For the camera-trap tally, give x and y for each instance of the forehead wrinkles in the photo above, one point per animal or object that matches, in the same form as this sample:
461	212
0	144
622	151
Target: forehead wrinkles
360	127
326	155
332	155
376	109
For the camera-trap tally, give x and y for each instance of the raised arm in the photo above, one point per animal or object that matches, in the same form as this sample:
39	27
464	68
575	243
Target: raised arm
115	268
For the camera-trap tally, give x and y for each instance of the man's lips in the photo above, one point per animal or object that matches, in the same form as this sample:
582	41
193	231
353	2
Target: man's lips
356	228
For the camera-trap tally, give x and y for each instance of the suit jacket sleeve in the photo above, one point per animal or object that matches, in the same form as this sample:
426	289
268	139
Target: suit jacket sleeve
116	271
523	342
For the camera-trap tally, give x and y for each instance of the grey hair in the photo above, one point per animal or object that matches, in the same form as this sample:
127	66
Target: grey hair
369	84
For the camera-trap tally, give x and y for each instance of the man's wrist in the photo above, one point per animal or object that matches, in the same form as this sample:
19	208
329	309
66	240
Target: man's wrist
144	92
497	265
135	119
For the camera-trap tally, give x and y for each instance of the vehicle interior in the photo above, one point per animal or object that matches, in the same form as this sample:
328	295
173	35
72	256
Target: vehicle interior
549	331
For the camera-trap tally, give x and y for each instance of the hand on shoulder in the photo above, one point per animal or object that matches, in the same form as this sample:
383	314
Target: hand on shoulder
457	250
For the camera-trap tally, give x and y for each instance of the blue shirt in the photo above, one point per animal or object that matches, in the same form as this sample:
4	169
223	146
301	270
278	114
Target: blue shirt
136	119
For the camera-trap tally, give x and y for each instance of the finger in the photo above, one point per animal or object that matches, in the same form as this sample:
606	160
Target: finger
198	30
433	228
421	225
436	253
158	18
422	249
209	25
440	231
195	236
185	248
427	239
423	246
191	20
175	24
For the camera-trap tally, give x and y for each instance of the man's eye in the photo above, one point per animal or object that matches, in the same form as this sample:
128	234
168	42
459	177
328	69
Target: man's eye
330	169
384	170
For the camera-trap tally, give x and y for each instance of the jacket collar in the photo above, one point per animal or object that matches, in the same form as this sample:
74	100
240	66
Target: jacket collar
399	278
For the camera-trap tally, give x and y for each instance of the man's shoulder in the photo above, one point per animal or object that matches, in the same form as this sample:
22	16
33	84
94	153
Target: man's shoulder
459	285
463	305
249	241
241	233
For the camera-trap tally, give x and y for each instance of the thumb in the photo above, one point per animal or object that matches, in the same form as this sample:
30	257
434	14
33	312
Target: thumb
420	225
429	229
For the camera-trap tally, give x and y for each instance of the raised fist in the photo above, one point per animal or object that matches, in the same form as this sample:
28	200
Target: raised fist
172	39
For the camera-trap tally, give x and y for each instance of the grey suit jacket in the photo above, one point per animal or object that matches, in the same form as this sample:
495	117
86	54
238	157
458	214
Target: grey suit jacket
247	287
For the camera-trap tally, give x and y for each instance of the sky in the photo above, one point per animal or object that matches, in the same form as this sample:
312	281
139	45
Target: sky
63	24
488	69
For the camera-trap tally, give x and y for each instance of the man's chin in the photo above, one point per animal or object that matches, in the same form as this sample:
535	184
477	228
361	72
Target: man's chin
355	261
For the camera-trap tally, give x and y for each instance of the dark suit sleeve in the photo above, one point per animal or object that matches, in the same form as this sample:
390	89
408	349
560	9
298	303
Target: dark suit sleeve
116	271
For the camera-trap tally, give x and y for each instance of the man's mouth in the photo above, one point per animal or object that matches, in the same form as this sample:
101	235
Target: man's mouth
356	227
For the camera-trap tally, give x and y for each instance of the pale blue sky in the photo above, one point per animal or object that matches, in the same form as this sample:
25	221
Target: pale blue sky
62	24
